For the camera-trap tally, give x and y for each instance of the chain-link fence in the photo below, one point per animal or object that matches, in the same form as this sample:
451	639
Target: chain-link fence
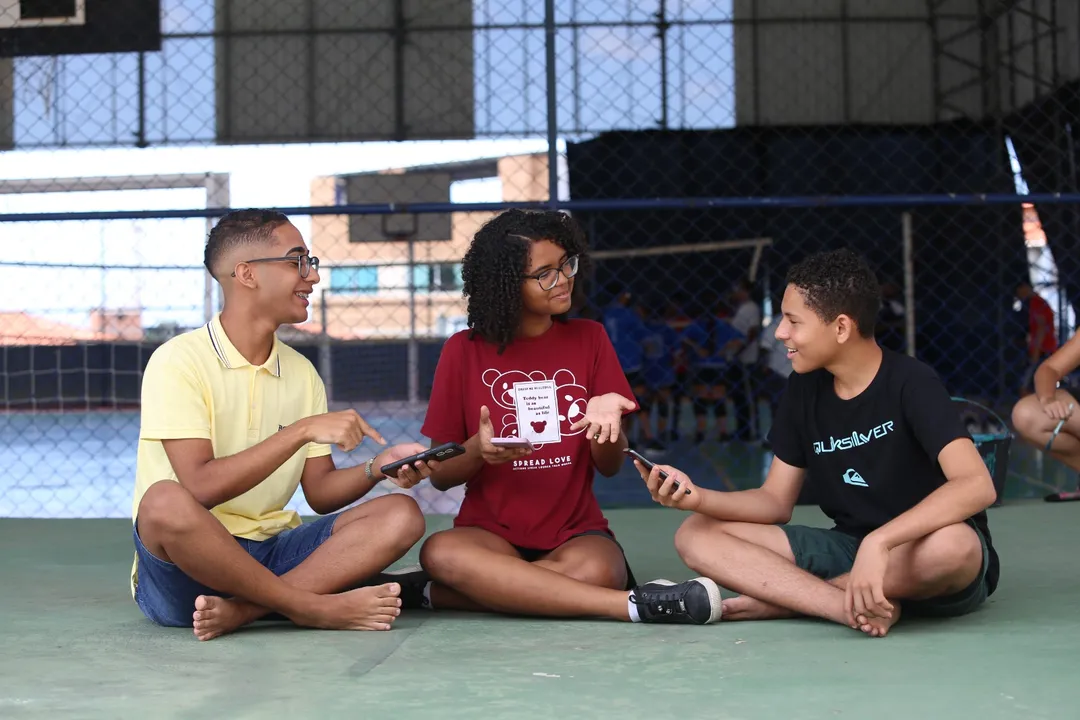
704	147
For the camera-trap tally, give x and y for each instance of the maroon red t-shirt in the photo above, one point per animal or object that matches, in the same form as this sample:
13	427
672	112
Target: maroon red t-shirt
542	500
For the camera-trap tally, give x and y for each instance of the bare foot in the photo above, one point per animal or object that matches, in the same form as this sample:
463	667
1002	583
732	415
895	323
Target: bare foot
366	608
215	616
879	627
745	607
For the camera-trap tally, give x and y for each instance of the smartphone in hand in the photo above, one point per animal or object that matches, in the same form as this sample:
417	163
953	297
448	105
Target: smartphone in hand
649	464
512	442
441	452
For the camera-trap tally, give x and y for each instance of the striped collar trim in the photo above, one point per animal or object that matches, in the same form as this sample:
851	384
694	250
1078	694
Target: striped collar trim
230	357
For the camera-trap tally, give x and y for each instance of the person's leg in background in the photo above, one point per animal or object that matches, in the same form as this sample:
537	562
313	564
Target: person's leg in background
701	395
770	389
661	398
679	392
1060	439
738	381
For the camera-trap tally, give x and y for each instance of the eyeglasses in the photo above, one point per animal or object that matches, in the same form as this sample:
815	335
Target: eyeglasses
550	278
304	263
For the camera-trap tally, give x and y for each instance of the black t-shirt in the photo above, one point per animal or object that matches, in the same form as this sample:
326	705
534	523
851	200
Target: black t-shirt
873	457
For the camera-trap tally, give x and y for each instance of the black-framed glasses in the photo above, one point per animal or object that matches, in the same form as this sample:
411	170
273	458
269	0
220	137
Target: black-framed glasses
304	263
550	278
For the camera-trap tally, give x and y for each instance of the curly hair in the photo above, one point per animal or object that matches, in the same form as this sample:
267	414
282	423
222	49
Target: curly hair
497	259
839	282
240	227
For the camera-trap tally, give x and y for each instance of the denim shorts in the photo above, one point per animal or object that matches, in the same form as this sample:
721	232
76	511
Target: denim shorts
830	553
166	594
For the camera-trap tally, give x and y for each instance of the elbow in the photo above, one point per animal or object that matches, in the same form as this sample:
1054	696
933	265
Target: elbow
608	469
440	483
321	507
781	511
988	493
201	492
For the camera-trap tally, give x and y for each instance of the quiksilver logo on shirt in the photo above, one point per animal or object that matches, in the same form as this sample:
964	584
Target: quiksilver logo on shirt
856	439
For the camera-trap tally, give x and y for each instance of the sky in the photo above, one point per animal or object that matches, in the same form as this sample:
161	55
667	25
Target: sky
608	77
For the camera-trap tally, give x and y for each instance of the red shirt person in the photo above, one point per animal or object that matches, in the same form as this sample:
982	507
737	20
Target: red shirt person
1041	339
530	538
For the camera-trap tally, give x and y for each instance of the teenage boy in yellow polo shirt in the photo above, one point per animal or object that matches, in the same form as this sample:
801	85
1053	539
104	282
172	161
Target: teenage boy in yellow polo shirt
232	422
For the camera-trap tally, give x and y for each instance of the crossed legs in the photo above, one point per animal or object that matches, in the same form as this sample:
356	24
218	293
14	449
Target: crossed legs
365	540
757	561
474	569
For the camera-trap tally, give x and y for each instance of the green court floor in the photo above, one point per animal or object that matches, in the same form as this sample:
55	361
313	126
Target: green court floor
75	645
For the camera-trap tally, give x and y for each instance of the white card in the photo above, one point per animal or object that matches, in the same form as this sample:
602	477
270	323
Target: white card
537	411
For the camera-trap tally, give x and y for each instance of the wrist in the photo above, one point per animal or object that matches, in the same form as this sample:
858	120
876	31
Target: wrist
301	430
877	539
371	469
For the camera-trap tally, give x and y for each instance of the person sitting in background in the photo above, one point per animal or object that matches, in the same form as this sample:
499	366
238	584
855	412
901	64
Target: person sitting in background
711	343
884	448
625	325
659	346
1041	338
232	422
1047	419
775	369
746	348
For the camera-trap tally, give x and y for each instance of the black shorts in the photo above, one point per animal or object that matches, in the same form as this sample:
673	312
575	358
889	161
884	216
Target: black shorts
533	554
831	553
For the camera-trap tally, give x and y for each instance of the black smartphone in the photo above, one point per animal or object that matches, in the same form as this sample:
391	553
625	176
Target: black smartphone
442	452
649	466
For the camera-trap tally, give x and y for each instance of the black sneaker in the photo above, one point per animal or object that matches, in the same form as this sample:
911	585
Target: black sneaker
412	580
694	602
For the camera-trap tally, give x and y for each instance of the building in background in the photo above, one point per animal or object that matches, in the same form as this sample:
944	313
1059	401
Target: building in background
399	276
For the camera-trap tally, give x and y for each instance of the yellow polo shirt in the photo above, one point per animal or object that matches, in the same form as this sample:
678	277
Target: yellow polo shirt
198	385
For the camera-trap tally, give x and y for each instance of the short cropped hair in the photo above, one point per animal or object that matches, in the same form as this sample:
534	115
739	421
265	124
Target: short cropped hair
240	227
839	282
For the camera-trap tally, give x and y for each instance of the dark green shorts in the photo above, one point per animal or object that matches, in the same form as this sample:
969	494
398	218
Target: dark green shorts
831	553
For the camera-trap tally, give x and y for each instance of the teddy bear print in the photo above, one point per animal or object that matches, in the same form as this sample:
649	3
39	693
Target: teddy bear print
572	399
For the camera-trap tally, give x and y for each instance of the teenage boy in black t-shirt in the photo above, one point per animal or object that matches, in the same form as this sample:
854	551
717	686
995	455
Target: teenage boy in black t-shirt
887	456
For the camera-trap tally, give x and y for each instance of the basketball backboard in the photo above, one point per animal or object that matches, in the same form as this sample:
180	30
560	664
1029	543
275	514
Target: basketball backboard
75	27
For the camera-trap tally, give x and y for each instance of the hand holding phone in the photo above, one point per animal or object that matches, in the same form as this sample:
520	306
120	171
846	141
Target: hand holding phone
673	499
439	453
649	465
495	450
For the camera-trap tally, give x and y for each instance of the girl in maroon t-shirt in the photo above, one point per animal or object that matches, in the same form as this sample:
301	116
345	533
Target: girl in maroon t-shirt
530	537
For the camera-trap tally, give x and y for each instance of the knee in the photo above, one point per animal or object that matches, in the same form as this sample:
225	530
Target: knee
439	558
1028	417
950	558
597	571
403	518
691	539
166	507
